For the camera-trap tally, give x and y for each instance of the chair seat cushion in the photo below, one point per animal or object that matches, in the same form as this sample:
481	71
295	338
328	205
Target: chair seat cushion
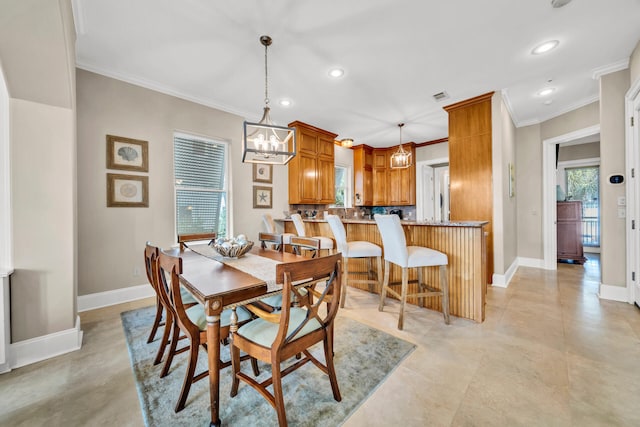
198	318
264	333
275	301
361	249
286	238
325	242
419	256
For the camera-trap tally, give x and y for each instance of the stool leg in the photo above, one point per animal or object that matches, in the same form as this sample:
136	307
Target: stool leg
379	274
345	273
383	291
403	296
420	286
444	285
370	273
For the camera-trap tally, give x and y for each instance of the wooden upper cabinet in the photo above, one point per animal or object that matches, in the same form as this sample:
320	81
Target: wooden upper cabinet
363	175
393	187
312	170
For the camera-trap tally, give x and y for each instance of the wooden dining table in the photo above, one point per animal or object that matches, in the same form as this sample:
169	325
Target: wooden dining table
218	286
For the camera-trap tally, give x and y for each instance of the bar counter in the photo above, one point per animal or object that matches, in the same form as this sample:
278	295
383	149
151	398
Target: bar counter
464	242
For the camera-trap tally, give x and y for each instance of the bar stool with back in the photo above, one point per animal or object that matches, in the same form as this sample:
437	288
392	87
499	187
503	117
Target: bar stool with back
355	249
397	252
326	243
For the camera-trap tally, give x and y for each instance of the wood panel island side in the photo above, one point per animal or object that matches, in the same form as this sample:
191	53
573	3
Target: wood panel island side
463	242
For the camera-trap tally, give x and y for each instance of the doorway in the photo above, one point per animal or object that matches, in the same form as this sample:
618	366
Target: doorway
432	190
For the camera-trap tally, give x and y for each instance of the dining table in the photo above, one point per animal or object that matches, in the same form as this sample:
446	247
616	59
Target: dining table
219	284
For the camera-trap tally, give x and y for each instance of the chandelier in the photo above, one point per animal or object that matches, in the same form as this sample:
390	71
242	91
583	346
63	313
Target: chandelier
401	159
265	142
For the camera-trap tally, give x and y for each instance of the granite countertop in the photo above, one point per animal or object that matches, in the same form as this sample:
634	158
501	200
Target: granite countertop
403	222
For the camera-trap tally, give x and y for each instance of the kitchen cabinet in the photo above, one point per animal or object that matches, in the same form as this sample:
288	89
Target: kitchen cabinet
392	187
363	175
569	231
379	178
312	170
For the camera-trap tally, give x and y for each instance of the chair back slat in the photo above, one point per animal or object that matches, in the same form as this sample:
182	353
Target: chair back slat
185	238
307	243
272	238
168	275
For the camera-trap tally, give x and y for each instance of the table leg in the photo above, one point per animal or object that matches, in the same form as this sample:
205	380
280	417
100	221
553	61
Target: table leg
212	311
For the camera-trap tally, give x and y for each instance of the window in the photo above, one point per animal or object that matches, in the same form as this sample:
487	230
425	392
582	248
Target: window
583	183
343	189
201	181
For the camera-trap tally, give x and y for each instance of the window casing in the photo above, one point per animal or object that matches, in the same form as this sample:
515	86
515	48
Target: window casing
201	180
343	186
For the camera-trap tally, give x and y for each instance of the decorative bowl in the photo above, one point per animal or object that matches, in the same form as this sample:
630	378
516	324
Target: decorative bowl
232	250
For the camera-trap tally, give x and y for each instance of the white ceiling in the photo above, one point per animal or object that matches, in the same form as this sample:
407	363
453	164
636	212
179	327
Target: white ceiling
396	55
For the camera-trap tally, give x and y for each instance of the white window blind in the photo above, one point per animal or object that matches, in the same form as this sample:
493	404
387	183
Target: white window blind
201	177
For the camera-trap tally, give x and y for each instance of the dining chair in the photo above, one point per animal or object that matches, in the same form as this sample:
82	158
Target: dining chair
183	239
356	249
150	257
308	244
270	227
271	241
277	337
325	242
192	322
397	252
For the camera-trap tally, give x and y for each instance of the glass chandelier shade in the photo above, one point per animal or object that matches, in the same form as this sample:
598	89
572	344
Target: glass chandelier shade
265	142
401	159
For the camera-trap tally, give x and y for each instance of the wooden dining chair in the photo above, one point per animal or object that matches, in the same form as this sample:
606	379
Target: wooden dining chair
183	239
192	322
150	258
302	244
277	337
271	241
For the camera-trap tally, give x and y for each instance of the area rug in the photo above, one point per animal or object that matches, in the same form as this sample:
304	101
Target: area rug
364	357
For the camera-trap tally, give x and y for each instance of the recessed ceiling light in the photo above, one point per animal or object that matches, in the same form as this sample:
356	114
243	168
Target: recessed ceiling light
336	73
285	102
545	47
546	91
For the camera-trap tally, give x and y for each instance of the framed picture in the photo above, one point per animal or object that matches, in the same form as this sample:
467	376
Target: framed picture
262	197
128	154
262	173
126	191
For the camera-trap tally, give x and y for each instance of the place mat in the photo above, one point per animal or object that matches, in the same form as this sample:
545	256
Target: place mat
261	267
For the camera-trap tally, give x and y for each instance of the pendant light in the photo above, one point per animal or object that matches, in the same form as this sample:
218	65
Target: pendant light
265	142
401	159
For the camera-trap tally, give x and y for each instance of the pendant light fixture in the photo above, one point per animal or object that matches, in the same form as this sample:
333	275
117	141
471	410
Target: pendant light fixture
400	159
265	142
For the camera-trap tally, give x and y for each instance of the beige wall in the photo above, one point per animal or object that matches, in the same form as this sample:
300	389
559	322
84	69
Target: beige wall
529	192
613	88
504	207
430	152
590	150
111	240
634	64
37	53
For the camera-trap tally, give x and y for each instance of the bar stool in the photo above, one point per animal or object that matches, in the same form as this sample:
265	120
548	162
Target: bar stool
397	252
355	249
270	227
325	242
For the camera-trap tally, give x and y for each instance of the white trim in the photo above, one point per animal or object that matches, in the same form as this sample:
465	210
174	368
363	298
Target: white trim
36	349
620	65
578	104
116	296
632	189
503	280
549	191
531	262
613	293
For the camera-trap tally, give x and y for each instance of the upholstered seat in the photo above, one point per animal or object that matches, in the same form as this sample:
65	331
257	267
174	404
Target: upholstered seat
397	252
270	227
356	249
326	243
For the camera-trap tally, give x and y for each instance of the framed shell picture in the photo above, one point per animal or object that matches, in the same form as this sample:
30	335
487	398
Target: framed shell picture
262	173
124	191
127	154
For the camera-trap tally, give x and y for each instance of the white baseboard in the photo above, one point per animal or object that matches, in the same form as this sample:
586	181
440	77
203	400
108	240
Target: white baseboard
614	293
531	262
503	280
40	348
116	296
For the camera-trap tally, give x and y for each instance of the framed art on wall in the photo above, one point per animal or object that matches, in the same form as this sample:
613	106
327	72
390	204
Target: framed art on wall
127	154
262	197
127	191
262	173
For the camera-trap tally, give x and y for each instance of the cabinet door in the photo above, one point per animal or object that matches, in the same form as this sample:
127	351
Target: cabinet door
379	186
307	142
308	179
569	244
326	147
367	198
326	181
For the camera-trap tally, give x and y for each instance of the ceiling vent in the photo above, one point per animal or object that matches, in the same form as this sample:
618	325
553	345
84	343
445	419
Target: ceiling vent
559	3
440	96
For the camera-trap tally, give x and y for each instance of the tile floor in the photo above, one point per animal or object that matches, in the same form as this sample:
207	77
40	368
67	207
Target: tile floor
550	353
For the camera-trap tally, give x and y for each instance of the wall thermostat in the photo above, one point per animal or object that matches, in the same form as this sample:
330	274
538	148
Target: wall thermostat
616	179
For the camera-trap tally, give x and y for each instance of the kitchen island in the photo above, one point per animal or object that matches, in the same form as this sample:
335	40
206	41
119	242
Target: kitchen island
464	243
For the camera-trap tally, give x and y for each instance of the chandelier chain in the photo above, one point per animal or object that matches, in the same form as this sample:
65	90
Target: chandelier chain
266	77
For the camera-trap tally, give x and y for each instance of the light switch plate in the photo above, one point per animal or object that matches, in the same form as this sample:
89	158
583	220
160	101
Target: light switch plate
622	201
622	213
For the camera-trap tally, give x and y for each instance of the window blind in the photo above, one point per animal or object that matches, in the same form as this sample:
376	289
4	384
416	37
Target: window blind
200	184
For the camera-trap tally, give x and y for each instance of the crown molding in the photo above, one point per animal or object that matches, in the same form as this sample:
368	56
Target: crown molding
157	87
620	65
568	109
507	103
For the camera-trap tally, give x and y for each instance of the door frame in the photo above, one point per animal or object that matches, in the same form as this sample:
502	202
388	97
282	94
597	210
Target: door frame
632	190
420	185
549	231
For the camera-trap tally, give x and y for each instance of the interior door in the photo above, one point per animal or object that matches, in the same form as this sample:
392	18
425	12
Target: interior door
441	185
428	193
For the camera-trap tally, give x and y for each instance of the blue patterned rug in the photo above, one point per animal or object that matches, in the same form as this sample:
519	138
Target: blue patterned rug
364	357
